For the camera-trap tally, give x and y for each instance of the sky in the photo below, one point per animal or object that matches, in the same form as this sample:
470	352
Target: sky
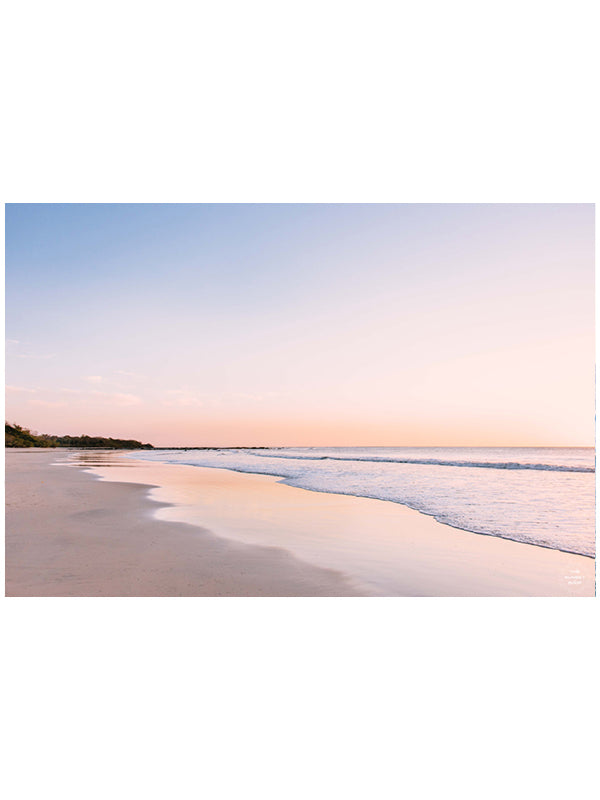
358	325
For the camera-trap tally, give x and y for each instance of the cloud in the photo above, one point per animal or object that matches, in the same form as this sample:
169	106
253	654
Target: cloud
93	378
48	403
118	399
258	398
16	389
181	398
111	398
129	374
32	355
34	401
12	341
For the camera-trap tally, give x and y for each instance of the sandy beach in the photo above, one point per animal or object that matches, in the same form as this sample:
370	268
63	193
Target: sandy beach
69	534
150	529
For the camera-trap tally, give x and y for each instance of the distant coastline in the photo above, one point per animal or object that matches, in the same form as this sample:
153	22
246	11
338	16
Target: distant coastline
17	436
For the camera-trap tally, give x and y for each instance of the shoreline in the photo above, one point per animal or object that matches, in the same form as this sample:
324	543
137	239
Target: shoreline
524	497
283	480
369	546
202	531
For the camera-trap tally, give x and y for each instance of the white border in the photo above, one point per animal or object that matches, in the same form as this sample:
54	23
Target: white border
312	102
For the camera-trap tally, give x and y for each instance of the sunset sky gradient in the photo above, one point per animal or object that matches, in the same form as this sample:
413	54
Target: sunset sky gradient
303	324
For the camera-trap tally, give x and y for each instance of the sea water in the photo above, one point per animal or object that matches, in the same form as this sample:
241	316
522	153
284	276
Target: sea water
542	496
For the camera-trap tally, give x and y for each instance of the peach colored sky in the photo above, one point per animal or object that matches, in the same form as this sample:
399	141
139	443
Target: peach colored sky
303	324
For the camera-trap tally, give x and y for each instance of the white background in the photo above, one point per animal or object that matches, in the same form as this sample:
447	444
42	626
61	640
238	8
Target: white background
288	102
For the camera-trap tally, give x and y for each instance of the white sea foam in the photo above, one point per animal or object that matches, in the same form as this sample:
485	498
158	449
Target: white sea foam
542	496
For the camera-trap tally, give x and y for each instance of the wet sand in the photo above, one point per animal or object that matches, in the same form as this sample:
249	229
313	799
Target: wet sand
151	529
70	535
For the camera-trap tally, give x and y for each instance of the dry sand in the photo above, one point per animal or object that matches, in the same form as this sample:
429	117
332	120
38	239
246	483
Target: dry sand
70	534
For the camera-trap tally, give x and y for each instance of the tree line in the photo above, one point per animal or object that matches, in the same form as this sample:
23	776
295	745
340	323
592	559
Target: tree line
17	436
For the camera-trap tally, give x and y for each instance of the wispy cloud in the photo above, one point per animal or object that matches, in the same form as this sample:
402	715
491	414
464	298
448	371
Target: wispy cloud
48	403
254	397
118	398
36	400
33	355
17	389
76	396
93	378
12	341
129	374
181	398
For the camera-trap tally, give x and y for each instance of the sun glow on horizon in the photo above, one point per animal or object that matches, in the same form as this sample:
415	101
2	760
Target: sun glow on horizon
306	325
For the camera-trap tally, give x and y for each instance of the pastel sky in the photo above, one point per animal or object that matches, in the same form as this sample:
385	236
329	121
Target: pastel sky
303	324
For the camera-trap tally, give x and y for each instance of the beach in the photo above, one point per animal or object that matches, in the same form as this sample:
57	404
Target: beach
100	524
71	535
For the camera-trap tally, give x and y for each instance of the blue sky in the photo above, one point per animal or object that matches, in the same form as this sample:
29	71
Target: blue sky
302	324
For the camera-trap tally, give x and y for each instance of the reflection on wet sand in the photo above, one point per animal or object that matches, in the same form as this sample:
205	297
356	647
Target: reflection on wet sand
98	458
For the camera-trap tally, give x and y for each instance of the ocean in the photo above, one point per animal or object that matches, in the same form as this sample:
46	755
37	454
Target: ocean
543	496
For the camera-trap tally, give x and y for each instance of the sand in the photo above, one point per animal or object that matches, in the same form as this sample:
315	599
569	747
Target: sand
70	535
150	529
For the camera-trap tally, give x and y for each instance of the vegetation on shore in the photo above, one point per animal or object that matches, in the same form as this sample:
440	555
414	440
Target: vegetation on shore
17	436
